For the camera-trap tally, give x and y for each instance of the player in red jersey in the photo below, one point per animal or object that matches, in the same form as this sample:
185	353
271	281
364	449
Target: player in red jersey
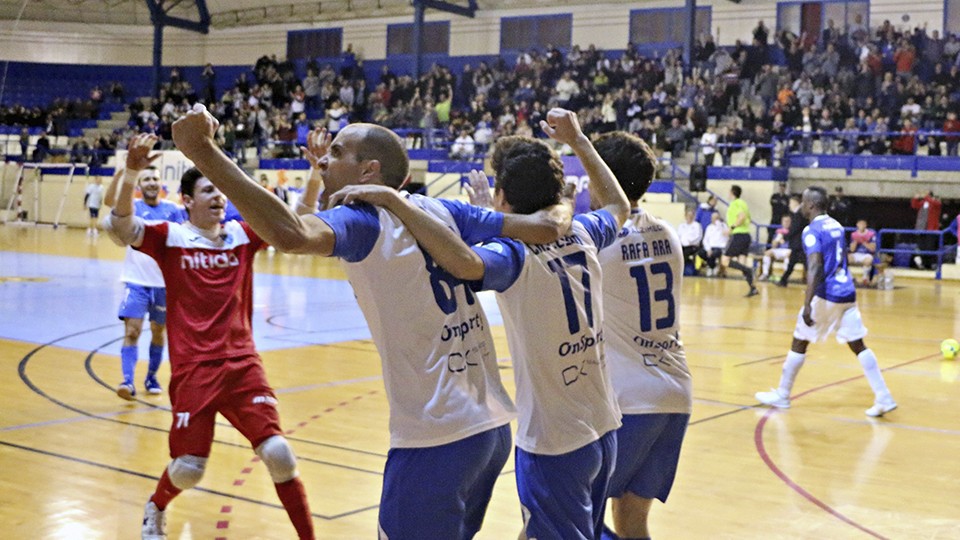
208	269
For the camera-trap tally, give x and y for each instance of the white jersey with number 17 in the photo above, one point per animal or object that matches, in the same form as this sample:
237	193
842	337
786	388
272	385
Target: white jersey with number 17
642	273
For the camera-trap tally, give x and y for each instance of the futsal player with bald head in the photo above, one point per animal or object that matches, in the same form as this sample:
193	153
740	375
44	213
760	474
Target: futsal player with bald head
449	411
830	305
215	368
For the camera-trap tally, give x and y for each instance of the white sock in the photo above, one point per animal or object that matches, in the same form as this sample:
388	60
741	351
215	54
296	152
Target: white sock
790	369
874	376
766	265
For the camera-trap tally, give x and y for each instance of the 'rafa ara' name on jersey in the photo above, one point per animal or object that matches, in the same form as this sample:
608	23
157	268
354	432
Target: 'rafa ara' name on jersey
645	250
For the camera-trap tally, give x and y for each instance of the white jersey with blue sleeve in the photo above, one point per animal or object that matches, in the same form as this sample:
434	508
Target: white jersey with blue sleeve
642	272
550	296
438	359
825	235
139	268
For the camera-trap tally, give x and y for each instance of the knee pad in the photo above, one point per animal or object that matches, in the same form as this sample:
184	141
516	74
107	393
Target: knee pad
186	471
279	459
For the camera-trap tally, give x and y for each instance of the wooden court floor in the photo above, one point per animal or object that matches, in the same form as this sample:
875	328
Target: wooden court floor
78	463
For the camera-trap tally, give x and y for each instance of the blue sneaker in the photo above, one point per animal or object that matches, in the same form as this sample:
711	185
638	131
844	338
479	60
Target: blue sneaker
153	387
126	390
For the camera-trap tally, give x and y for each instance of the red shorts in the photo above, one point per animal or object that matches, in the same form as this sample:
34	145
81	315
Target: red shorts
237	388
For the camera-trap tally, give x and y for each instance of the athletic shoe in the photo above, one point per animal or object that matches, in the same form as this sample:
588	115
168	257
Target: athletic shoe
753	292
153	387
881	408
773	399
781	284
154	523
126	390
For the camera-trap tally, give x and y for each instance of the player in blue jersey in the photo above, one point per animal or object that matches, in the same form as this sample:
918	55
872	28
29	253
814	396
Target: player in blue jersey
830	306
145	291
449	412
551	298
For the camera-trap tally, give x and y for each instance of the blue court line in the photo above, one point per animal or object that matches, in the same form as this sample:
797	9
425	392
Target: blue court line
76	419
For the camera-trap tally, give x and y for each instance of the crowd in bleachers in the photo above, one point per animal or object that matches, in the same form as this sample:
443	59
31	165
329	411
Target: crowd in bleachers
847	90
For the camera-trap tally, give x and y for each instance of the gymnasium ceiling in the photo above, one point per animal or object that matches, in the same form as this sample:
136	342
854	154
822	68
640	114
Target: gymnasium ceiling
232	13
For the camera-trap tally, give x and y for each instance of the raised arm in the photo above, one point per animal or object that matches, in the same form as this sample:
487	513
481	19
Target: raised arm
541	227
269	217
318	141
122	225
444	245
562	126
110	195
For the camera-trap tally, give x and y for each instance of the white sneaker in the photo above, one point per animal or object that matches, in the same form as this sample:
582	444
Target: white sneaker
773	399
154	523
881	408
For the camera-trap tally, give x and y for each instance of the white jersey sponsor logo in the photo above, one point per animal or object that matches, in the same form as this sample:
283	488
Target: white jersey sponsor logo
201	260
269	400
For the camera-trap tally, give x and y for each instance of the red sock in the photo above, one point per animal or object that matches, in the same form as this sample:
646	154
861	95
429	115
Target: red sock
294	499
166	491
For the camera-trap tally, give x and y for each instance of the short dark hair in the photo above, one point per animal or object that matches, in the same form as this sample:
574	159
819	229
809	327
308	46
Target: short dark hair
631	159
528	172
736	190
383	145
796	197
189	180
818	196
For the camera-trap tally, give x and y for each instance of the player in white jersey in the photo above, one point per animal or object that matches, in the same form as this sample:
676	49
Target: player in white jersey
449	412
144	290
642	273
551	300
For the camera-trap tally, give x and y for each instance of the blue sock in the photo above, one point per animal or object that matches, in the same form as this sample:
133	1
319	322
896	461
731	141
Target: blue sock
128	361
156	356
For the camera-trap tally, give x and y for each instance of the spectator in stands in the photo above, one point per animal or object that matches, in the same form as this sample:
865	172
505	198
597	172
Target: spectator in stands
566	88
794	240
463	146
705	212
676	137
691	234
952	125
714	241
762	146
41	148
840	207
928	210
779	249
708	145
24	143
336	117
863	249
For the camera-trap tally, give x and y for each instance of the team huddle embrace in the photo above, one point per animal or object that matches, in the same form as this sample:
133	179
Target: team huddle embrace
601	418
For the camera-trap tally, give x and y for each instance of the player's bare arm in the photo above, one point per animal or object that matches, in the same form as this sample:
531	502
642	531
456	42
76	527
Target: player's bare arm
123	226
318	141
541	227
443	244
272	220
110	195
814	277
562	126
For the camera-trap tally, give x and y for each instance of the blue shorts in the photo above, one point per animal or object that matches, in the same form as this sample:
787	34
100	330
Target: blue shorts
442	491
139	300
94	212
648	454
564	496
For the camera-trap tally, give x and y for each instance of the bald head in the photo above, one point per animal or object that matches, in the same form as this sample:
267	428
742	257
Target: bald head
378	143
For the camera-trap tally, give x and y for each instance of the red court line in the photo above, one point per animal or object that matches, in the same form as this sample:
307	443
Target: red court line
762	451
225	523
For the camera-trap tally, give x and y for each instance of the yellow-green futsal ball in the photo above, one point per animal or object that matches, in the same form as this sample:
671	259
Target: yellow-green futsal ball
950	348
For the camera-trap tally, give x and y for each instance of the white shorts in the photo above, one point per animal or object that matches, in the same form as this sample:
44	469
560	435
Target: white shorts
780	254
828	317
861	259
